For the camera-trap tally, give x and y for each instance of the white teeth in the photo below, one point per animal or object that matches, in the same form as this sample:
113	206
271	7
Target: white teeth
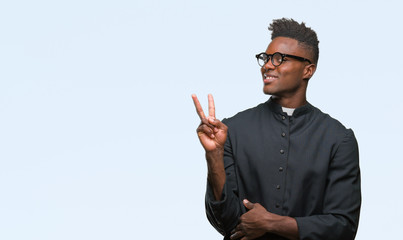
268	77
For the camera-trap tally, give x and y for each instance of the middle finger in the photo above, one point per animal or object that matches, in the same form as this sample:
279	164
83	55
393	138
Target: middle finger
211	107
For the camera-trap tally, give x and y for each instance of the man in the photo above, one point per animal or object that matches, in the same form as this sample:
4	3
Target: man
283	169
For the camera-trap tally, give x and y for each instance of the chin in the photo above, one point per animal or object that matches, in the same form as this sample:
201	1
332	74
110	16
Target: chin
268	91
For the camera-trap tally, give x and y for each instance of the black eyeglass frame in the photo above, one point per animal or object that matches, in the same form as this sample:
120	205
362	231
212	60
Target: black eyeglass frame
283	55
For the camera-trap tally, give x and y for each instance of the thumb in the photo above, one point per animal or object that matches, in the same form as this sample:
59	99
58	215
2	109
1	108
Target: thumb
248	204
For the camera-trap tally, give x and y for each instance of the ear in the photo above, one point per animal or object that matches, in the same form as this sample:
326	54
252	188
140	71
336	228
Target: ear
309	70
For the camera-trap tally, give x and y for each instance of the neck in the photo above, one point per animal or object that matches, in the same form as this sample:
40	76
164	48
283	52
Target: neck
292	98
292	102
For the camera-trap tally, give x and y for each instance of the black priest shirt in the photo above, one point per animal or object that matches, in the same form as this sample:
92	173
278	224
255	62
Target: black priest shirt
304	166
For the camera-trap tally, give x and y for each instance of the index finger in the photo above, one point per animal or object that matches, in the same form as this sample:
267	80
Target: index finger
198	106
211	107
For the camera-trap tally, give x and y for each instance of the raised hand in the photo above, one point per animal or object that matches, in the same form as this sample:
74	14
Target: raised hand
211	131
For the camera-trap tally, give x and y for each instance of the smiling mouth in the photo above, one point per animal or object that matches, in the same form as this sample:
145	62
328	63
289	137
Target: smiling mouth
268	78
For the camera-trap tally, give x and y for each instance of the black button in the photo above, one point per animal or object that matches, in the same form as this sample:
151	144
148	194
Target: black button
283	134
283	117
277	205
278	186
280	169
282	151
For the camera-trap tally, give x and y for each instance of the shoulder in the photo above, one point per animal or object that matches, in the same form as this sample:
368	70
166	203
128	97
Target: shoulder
327	120
333	127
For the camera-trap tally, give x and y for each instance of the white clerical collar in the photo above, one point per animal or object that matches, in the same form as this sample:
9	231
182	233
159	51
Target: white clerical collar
289	111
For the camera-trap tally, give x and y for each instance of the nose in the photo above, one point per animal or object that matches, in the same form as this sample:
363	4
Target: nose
268	66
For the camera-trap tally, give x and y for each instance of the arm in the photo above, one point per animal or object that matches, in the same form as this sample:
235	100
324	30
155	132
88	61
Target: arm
342	197
224	213
222	206
216	172
212	135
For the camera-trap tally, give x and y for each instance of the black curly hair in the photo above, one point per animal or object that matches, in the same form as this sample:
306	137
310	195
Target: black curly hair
290	28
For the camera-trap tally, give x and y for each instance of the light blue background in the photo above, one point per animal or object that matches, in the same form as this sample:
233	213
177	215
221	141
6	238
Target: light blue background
97	127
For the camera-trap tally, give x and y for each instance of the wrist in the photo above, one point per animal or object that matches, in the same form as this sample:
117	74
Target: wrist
282	225
216	151
269	221
274	222
215	157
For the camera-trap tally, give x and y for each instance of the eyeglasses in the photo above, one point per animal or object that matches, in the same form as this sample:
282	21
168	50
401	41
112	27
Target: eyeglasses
276	58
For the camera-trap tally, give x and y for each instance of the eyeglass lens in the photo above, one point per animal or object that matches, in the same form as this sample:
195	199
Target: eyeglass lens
276	59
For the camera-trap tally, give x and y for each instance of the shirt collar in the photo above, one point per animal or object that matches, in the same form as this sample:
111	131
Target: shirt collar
275	107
